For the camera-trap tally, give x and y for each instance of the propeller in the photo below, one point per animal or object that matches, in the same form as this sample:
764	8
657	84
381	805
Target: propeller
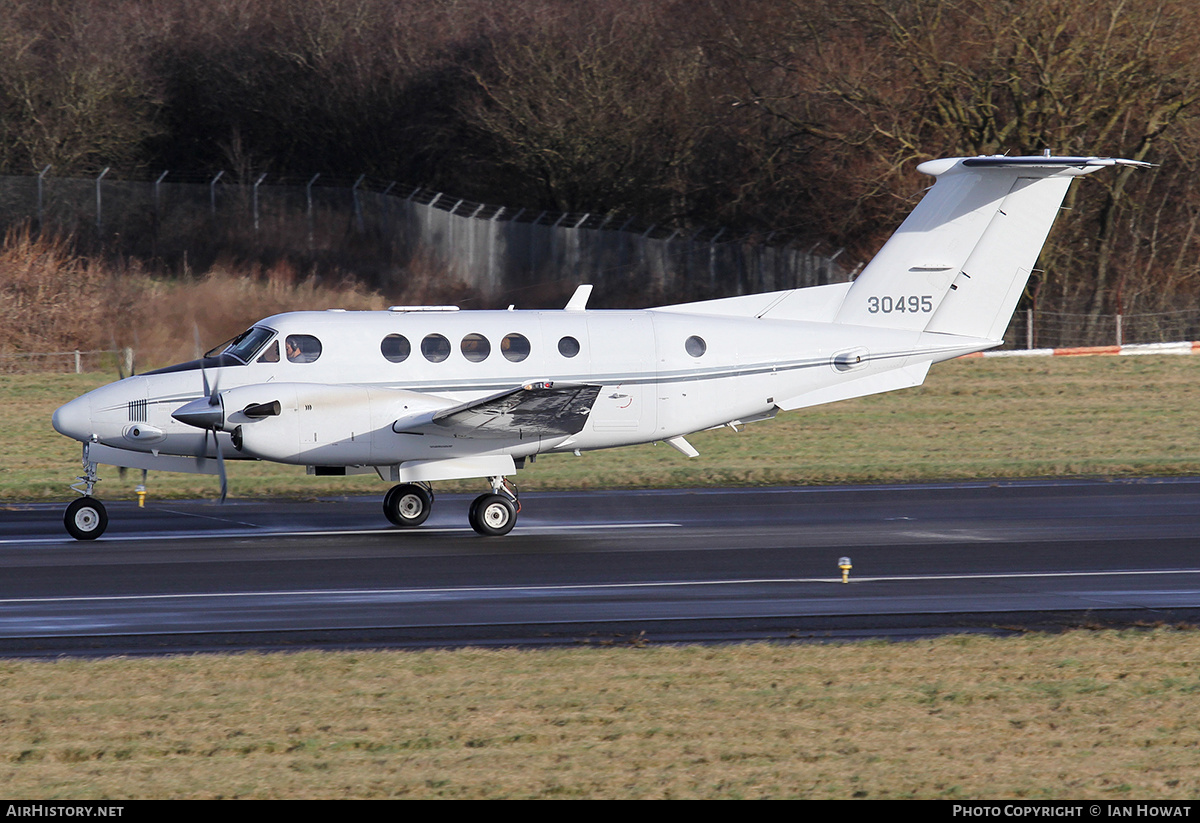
218	409
208	413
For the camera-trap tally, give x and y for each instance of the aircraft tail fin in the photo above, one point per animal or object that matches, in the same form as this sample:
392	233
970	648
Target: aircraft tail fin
959	263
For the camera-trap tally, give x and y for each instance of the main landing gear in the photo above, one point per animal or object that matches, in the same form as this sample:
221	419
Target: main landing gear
86	518
408	505
492	515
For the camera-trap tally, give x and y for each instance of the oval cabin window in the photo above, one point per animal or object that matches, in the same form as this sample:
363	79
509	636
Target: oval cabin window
475	347
395	348
568	347
435	348
515	347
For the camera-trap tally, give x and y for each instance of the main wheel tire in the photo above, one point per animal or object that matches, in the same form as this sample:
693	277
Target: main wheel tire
492	515
407	505
85	518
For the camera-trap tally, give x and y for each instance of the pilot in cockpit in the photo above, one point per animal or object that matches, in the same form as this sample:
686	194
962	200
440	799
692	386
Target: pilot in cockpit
296	352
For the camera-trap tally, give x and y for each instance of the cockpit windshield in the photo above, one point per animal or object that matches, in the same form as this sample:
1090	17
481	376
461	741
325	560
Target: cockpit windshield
245	345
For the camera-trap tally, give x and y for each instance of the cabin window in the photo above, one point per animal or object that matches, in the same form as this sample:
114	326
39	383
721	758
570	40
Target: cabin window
695	346
515	347
435	348
395	348
568	347
475	347
302	348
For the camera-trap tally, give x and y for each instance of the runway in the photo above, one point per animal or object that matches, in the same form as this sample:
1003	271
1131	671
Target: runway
605	567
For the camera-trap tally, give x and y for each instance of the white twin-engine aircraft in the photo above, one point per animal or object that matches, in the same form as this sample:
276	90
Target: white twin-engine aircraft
421	394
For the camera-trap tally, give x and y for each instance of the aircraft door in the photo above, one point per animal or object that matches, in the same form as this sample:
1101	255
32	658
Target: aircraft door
623	360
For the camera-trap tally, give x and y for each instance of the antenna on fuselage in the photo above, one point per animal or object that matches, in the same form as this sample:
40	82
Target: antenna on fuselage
579	299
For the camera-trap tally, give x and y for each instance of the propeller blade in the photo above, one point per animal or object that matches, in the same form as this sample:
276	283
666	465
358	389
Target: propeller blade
220	465
221	470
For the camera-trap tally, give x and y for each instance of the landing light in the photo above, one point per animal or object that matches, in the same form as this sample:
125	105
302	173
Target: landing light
844	565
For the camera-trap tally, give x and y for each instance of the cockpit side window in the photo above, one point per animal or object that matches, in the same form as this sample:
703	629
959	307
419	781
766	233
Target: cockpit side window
271	355
245	346
302	348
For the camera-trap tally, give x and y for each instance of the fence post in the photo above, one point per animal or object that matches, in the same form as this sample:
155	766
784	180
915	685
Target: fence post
127	356
41	178
1029	328
257	183
358	218
157	215
309	208
212	193
99	227
78	364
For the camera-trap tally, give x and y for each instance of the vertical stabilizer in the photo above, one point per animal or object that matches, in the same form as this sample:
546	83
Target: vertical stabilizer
959	263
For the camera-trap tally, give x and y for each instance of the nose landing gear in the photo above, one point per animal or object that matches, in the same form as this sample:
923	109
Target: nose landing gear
86	518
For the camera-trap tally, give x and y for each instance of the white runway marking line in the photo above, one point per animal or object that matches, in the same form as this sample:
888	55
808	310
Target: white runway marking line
582	587
266	531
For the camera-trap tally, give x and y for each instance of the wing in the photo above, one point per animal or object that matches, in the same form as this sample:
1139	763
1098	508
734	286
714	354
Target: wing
542	409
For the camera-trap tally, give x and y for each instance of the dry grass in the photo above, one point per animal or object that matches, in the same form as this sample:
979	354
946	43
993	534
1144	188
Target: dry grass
55	300
1082	715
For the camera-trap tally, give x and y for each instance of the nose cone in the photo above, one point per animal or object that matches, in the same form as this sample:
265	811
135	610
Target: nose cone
74	419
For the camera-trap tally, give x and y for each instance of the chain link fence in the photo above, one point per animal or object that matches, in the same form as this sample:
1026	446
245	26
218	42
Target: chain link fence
1031	329
386	234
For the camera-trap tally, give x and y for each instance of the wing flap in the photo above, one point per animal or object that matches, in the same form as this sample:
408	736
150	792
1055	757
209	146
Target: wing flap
540	409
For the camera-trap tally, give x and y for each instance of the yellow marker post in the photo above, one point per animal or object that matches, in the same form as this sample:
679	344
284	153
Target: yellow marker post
844	565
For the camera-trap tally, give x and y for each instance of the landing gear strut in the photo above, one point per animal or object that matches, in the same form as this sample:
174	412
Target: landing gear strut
495	514
86	518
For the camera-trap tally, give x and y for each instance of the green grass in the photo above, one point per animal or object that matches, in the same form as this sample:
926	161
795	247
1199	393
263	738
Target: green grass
973	418
1081	715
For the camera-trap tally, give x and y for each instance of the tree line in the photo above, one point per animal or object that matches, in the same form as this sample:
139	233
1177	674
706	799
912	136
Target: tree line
797	119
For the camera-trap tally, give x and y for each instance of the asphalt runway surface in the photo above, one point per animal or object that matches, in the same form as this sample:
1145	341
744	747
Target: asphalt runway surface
605	567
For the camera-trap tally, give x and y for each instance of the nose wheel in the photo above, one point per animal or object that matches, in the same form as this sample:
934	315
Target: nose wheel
85	518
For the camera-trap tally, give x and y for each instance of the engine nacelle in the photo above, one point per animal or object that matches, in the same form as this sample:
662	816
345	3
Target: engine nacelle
318	424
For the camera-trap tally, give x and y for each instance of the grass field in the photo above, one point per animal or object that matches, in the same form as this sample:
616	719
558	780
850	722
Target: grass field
976	417
1103	715
1099	715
